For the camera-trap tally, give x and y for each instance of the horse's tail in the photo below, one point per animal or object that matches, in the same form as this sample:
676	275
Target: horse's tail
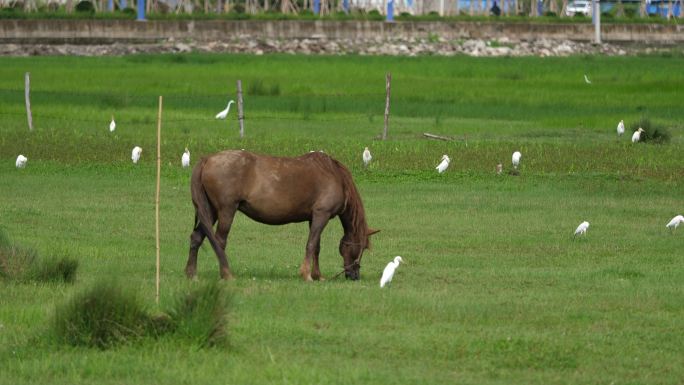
203	208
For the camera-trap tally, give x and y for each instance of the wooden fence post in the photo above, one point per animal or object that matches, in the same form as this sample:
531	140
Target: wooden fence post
388	81
241	116
27	87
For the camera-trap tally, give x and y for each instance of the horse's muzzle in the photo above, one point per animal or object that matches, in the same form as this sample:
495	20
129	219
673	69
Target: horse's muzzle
353	274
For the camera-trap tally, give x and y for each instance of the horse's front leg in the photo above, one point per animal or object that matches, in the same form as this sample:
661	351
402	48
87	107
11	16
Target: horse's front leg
316	272
313	246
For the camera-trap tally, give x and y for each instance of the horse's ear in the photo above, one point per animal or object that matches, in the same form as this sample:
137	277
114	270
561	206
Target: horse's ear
372	231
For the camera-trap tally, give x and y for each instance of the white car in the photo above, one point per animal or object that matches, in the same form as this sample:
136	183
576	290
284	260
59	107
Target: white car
580	6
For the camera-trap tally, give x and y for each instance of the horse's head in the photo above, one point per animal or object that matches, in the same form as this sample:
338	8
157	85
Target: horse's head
352	251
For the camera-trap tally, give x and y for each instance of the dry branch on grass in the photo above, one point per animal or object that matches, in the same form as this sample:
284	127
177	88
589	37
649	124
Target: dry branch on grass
438	137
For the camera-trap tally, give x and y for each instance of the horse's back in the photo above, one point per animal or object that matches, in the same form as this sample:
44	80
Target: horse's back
271	189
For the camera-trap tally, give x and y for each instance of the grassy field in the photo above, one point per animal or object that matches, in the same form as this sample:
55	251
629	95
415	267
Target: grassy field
495	289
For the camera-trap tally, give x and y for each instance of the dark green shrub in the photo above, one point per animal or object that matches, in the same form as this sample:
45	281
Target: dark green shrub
238	8
652	133
631	12
85	6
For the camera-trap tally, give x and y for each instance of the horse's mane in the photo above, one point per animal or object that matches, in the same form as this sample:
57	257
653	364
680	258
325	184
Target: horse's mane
353	205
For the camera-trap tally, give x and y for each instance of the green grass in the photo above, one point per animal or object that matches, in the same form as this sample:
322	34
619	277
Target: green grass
495	289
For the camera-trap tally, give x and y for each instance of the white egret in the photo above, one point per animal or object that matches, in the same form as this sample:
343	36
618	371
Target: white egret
582	228
516	159
388	273
621	128
135	154
185	159
499	169
675	222
442	166
636	136
21	161
112	125
367	157
224	113
586	79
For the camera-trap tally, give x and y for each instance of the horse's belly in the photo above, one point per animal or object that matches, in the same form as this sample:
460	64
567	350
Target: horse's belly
273	214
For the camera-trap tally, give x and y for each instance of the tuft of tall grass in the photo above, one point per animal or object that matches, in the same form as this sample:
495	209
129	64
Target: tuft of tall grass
23	264
102	316
53	270
652	133
107	315
201	315
15	261
257	87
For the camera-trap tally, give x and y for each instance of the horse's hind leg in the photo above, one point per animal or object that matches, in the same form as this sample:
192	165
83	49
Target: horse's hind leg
196	239
225	221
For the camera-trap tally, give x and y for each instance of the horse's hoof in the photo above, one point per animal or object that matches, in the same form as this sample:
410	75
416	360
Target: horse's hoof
191	275
226	275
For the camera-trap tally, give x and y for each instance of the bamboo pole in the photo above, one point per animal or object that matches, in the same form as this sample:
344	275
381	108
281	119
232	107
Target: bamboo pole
156	201
388	81
596	9
27	87
241	116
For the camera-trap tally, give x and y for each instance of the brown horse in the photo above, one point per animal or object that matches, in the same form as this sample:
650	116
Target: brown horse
272	190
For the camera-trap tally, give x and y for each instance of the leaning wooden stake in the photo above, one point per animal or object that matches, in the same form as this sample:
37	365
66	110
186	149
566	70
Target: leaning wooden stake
438	137
388	81
241	116
156	201
27	86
